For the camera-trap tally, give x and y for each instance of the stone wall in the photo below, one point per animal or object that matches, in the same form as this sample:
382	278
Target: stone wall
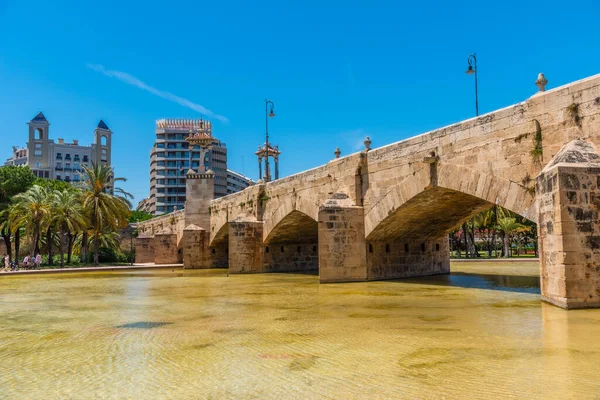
291	257
144	249
245	246
569	229
174	221
220	255
195	248
166	249
407	258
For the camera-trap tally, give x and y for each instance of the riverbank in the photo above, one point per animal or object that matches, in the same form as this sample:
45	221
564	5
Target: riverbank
92	269
500	260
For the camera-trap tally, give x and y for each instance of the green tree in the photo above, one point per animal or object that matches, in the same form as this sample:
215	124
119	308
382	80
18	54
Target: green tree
139	215
508	226
485	224
54	185
107	212
30	211
67	217
13	180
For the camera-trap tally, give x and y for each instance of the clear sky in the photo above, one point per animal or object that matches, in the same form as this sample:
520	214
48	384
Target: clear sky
337	71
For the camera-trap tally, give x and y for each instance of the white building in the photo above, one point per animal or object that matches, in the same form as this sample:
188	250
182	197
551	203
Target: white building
60	160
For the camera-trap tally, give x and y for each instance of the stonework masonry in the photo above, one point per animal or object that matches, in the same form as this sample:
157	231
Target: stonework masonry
144	249
569	230
385	212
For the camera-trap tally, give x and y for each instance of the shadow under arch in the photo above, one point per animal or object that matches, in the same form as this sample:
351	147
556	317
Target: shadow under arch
284	210
292	244
219	248
416	207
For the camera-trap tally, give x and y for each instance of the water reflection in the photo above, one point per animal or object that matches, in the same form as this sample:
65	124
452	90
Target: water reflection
201	334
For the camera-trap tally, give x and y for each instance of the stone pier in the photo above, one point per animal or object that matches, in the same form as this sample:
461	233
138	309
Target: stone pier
569	230
246	250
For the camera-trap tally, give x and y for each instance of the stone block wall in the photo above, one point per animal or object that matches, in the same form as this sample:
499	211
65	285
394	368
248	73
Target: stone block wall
219	256
199	193
245	247
166	249
144	249
342	246
175	222
408	257
291	257
569	234
195	248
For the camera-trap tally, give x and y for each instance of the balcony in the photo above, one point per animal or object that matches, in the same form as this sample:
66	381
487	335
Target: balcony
58	168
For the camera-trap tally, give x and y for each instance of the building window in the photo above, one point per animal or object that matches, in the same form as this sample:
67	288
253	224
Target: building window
58	177
85	158
67	156
38	165
58	156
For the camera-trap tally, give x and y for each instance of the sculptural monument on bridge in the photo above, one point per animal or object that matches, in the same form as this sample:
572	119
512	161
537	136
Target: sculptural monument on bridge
385	212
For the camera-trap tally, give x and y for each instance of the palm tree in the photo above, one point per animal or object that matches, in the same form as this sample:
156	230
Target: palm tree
508	225
484	221
67	216
106	211
30	210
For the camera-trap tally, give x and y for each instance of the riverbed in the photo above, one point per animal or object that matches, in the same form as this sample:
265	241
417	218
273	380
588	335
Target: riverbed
480	332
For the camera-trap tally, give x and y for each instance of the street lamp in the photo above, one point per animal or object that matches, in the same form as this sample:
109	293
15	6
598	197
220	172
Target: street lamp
267	115
472	60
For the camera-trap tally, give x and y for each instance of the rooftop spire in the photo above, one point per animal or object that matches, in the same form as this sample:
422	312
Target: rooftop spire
101	125
39	118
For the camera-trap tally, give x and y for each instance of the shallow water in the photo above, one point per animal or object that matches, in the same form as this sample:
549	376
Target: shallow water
480	332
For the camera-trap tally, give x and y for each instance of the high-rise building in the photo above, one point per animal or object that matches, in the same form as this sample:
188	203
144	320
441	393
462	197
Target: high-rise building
170	161
60	160
237	182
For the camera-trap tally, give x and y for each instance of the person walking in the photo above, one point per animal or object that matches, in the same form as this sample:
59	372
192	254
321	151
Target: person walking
38	261
26	262
6	261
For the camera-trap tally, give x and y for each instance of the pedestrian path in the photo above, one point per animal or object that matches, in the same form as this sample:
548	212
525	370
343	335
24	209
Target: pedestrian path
92	269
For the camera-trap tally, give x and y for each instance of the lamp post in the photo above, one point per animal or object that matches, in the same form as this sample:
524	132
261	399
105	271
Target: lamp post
472	60
267	115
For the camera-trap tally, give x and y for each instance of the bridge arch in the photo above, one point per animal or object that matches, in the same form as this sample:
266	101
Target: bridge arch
284	209
458	194
292	245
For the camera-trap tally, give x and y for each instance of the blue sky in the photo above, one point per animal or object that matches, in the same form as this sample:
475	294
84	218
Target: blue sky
336	70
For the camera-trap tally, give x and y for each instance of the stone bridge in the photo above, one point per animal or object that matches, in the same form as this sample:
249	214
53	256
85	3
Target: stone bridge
385	213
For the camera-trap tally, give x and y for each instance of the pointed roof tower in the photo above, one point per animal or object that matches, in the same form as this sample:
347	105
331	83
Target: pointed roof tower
102	125
39	118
